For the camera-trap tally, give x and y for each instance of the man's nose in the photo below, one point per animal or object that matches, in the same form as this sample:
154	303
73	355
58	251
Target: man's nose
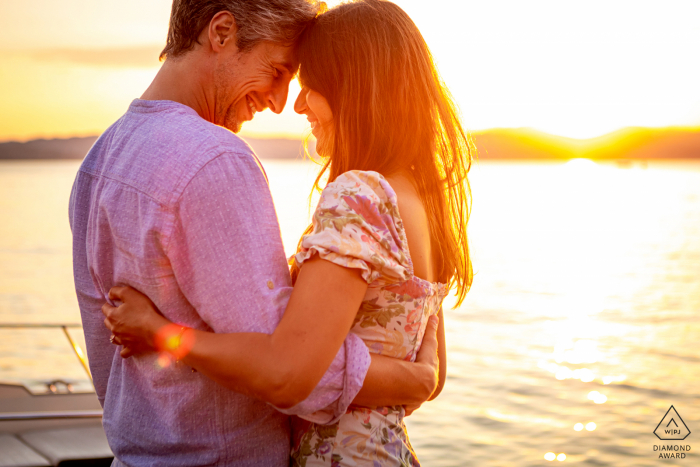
277	98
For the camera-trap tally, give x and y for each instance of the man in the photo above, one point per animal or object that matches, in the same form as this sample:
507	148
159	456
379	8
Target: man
172	203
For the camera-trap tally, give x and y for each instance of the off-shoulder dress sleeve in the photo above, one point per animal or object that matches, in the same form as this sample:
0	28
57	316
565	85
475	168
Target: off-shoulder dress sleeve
357	225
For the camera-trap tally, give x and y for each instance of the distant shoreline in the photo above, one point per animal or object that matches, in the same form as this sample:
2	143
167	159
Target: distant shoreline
625	144
498	144
77	148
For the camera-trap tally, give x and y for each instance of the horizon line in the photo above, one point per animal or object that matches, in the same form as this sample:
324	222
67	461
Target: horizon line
297	137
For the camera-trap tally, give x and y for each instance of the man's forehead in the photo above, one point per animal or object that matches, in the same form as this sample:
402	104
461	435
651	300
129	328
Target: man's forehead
292	66
284	56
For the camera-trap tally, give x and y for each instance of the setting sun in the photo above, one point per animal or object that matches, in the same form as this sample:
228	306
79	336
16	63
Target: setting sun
317	230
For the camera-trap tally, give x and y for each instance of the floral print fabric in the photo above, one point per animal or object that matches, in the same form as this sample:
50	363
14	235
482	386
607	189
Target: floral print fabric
357	225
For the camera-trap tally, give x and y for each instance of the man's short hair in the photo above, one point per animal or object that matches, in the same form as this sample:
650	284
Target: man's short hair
280	21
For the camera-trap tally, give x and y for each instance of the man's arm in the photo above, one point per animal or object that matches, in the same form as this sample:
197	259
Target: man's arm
377	389
391	381
442	356
283	368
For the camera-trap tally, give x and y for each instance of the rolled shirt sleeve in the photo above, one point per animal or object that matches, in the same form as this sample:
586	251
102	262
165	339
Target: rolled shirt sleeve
344	377
226	252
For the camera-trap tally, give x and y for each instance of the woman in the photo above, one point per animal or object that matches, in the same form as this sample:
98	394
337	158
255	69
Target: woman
388	235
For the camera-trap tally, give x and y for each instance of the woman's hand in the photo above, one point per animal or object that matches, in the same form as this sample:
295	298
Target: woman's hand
134	323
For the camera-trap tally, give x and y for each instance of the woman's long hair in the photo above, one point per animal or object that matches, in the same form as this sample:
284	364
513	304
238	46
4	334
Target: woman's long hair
391	114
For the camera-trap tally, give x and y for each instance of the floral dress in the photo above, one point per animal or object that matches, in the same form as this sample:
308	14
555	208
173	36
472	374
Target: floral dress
357	225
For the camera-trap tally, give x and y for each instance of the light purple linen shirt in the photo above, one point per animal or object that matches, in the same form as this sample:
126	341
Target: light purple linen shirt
180	209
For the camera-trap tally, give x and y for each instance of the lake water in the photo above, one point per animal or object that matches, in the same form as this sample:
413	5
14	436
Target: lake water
585	307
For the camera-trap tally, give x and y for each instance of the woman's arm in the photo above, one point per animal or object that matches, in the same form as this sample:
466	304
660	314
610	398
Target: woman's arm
284	367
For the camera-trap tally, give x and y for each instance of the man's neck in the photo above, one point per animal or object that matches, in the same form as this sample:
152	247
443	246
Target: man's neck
183	80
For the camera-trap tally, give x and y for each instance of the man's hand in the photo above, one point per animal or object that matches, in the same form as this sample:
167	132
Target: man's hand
430	363
392	381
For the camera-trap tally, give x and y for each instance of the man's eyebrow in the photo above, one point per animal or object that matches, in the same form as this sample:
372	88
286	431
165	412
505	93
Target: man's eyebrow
291	69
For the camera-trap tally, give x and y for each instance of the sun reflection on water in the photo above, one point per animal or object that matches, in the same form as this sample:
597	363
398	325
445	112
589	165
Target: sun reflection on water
580	164
550	456
566	300
597	397
583	271
583	351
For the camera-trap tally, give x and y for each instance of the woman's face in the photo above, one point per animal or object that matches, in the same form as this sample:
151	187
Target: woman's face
318	113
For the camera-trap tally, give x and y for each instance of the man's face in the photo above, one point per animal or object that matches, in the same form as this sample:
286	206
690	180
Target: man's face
253	81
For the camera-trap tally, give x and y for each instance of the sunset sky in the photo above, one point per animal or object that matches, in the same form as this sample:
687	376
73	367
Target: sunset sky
579	69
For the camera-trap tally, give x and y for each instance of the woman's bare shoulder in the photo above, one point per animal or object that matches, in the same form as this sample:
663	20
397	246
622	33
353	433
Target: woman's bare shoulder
415	222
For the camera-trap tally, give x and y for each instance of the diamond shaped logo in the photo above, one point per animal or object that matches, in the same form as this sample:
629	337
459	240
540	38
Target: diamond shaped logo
672	426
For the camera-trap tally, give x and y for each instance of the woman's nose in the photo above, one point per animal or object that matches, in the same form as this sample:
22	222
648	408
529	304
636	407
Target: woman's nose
300	103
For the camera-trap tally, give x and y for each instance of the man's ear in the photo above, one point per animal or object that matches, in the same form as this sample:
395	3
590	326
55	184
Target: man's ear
222	31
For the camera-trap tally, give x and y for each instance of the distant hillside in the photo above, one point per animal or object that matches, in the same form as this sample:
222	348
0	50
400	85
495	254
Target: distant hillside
76	148
71	148
512	144
628	143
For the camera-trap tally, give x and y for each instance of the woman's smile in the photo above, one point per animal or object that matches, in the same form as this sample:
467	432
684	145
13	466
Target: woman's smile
317	110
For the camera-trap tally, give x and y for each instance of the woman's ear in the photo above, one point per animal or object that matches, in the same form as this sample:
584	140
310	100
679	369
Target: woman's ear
222	31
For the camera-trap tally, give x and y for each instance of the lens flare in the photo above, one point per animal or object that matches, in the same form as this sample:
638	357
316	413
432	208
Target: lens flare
578	427
176	340
550	456
163	360
590	426
561	457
